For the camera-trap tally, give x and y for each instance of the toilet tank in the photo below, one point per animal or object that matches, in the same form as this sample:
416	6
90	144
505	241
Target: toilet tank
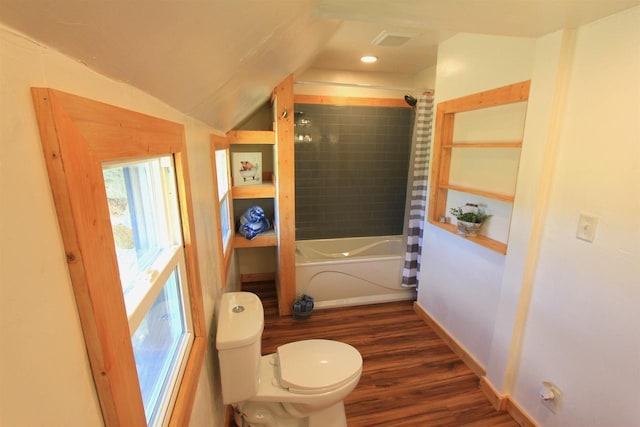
238	341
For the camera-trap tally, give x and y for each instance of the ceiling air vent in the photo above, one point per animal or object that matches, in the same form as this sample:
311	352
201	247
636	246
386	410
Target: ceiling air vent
388	39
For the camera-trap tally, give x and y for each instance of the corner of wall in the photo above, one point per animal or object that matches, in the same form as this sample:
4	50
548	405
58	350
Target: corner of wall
546	106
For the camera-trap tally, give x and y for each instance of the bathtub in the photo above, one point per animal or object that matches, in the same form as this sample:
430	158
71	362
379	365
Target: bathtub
351	271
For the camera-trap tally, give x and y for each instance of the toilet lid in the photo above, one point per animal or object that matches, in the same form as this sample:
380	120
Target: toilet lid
317	366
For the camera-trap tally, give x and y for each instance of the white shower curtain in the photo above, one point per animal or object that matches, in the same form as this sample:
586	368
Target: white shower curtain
419	187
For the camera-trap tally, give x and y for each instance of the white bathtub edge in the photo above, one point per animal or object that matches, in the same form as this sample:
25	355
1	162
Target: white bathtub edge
364	300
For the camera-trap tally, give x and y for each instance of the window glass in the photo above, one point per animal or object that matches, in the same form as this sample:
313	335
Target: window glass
158	343
222	175
143	208
144	217
225	221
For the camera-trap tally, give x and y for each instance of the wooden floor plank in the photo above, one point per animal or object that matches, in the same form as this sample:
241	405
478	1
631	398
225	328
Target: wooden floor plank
410	376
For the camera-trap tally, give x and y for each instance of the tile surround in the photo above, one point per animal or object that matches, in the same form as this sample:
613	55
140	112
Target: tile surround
351	167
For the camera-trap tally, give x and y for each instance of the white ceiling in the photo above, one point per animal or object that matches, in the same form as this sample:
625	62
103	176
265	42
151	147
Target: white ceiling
218	60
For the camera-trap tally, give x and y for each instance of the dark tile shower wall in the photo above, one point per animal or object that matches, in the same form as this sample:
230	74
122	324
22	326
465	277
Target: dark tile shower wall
351	170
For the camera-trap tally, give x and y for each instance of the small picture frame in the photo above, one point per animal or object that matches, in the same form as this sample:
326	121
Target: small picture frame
246	168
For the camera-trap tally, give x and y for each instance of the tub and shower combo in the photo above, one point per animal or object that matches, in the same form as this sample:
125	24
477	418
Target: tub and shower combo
351	271
351	174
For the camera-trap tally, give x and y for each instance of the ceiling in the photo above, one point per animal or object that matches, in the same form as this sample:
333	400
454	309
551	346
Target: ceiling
218	60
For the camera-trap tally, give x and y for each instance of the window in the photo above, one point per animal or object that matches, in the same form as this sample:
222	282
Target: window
143	208
224	196
222	184
120	183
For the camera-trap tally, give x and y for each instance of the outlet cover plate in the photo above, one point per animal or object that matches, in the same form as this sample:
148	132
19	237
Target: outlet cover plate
587	225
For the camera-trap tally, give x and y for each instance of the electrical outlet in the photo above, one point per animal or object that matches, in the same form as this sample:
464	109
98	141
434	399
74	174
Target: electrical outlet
550	396
587	227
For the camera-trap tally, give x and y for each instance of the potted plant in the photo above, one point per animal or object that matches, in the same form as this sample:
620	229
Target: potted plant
470	219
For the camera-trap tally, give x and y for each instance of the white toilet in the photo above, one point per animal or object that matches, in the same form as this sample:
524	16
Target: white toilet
303	384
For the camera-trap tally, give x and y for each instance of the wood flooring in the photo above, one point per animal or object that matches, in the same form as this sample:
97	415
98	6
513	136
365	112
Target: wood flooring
410	376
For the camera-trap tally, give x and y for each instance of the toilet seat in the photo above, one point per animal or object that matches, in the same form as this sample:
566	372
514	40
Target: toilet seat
317	366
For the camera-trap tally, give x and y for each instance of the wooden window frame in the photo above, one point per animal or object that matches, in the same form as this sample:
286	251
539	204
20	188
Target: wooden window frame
222	143
77	135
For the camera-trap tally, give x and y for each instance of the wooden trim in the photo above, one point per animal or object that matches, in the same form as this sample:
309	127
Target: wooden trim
519	414
77	135
498	400
190	246
258	277
443	147
119	133
440	165
485	241
268	238
505	403
482	193
344	100
509	144
260	191
285	199
455	346
50	117
220	143
509	94
229	420
187	393
267	137
227	262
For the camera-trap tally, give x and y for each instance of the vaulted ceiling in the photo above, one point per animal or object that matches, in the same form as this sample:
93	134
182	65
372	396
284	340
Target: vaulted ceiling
218	60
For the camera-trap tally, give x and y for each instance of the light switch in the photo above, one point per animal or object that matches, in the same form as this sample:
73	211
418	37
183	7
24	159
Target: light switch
587	227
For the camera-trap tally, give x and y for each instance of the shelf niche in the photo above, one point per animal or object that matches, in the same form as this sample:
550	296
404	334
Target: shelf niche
277	149
478	155
263	141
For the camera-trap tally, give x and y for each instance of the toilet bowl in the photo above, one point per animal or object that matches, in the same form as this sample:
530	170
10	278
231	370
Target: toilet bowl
302	384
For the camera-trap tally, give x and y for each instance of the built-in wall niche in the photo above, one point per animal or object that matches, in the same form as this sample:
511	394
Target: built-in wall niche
478	139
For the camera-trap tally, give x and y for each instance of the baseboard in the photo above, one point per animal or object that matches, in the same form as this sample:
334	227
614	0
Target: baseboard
228	417
519	414
499	401
257	277
457	348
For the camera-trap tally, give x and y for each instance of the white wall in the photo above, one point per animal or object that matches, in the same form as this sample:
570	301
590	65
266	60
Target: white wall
549	79
422	80
583	328
464	300
425	78
45	377
555	308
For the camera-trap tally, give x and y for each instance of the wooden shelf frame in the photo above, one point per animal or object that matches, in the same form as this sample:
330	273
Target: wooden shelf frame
513	144
443	150
482	193
251	137
481	240
281	190
266	239
266	190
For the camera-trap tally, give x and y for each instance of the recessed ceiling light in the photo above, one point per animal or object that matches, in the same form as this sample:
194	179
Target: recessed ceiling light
369	59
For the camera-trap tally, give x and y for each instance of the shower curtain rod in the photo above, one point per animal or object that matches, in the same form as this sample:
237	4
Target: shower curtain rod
364	86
